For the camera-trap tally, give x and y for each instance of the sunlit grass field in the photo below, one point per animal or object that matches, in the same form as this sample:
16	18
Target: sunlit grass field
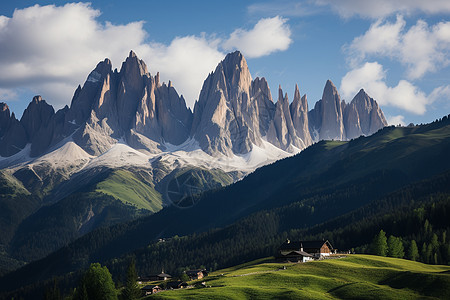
123	185
352	277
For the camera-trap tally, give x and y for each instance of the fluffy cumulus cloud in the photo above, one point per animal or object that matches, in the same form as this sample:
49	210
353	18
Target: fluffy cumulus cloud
383	8
396	120
371	76
51	49
267	36
421	48
186	61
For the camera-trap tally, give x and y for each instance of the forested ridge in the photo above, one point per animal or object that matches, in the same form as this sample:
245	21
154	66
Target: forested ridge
343	192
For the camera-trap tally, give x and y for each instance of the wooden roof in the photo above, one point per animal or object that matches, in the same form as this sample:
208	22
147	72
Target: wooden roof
298	253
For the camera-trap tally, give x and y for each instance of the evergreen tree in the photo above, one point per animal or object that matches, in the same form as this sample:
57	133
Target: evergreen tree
81	292
424	252
434	242
395	247
131	290
429	254
413	252
379	244
53	293
96	284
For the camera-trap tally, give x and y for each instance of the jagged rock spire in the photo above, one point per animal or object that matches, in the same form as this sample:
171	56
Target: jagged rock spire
233	113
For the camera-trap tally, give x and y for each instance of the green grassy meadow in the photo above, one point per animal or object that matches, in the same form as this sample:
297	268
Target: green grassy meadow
124	185
352	277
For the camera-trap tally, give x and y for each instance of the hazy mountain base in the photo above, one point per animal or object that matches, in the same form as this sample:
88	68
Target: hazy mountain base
100	197
352	277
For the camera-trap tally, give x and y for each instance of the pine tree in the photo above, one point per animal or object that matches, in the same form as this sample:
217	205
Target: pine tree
424	252
53	293
395	247
429	254
434	242
379	244
131	290
413	251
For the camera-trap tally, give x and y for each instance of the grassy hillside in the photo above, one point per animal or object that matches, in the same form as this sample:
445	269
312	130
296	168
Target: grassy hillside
179	186
16	204
10	186
126	187
353	277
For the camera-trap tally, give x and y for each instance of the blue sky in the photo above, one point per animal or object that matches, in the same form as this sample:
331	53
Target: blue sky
399	53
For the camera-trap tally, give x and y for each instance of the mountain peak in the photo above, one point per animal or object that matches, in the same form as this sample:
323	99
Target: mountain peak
330	85
297	93
37	99
235	67
132	54
361	92
3	106
133	66
236	55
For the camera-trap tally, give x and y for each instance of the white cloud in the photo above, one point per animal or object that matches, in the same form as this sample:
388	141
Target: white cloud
396	120
52	49
7	95
186	62
371	77
382	8
49	50
284	8
267	36
440	93
421	48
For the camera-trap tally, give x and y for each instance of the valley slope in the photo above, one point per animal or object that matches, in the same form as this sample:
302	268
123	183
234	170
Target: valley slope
344	191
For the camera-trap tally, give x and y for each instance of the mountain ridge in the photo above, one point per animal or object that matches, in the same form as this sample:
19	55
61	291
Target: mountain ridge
233	113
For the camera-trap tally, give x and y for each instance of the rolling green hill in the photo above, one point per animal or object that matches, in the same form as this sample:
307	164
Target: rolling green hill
126	187
352	277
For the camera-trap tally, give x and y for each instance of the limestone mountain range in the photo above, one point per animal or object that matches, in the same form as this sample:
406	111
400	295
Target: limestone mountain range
234	113
128	146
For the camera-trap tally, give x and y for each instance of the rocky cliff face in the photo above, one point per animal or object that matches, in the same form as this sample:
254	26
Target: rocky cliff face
332	118
12	134
232	115
227	114
129	104
327	115
281	131
299	113
363	116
